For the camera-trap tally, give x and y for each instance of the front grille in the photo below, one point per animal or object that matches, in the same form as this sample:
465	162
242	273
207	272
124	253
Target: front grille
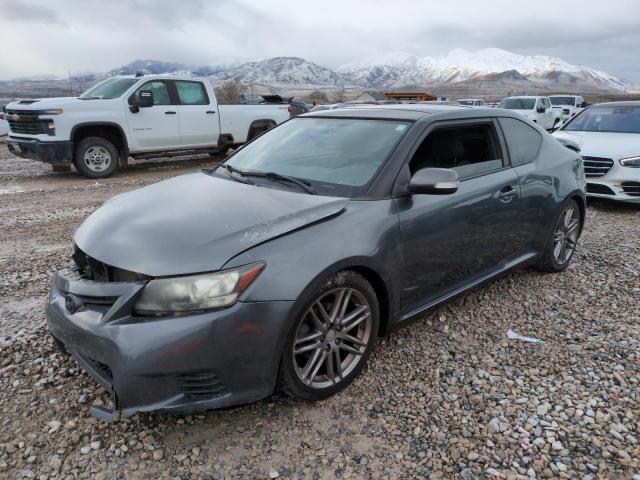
601	189
98	271
596	166
631	188
203	385
27	122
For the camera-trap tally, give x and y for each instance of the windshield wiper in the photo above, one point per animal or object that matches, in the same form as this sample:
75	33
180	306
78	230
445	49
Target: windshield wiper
306	186
238	178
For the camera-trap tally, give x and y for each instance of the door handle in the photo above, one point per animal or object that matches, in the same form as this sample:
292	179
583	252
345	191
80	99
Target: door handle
507	194
210	111
170	113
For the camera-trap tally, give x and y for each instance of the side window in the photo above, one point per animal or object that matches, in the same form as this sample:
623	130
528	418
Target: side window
523	141
191	93
160	92
546	103
470	150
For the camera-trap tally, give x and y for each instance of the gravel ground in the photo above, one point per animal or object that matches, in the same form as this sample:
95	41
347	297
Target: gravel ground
449	396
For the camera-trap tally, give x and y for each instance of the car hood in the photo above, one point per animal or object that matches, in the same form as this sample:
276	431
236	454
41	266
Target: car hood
42	103
194	223
604	144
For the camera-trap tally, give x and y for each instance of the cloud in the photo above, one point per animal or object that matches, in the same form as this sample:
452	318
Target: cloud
15	10
100	34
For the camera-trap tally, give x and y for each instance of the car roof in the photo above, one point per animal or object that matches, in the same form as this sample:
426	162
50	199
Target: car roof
525	96
407	111
412	112
625	103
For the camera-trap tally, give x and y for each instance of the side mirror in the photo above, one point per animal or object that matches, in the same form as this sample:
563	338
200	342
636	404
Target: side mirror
434	181
146	99
583	105
541	109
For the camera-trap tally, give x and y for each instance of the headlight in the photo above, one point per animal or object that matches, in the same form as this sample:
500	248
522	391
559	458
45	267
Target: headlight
631	162
52	111
196	292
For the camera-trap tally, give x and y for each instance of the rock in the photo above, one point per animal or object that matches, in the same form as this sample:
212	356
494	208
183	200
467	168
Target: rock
494	424
158	454
273	473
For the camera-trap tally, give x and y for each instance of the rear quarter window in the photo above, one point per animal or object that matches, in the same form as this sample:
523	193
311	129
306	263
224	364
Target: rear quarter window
522	140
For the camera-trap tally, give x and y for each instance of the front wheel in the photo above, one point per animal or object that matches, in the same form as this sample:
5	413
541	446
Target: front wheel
331	339
562	244
96	157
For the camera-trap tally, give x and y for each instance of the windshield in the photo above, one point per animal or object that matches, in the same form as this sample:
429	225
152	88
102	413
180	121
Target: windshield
623	119
337	156
560	101
518	103
466	102
111	88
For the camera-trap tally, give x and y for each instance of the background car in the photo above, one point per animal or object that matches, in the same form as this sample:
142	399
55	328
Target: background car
4	126
608	135
471	102
536	109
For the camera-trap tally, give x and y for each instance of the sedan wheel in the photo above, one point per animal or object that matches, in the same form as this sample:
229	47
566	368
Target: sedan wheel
565	238
332	339
562	244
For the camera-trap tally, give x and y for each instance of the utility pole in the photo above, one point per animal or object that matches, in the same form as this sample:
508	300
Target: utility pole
70	86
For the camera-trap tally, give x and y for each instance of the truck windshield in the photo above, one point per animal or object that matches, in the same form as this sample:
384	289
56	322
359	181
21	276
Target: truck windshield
517	103
560	101
337	156
622	119
111	88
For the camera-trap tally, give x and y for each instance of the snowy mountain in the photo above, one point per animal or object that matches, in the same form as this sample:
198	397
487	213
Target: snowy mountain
157	66
280	70
398	69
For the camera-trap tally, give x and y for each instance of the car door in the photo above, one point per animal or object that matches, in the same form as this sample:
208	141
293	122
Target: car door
549	115
449	241
156	127
198	114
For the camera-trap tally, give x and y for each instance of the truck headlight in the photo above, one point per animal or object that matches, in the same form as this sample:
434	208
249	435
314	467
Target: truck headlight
633	162
52	111
195	293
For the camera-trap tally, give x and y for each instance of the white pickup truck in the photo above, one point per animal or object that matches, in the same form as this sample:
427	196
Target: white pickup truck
567	105
536	109
147	116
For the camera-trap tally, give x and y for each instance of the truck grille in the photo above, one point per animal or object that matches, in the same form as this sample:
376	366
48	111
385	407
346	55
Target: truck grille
596	166
27	122
631	188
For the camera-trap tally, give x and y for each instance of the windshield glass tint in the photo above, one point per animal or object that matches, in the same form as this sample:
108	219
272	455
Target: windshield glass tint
607	119
558	101
339	156
518	103
112	88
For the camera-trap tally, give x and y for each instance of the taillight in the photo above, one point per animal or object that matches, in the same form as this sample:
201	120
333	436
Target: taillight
1	115
290	110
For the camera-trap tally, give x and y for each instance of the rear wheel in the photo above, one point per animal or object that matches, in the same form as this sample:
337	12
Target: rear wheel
562	244
331	339
96	157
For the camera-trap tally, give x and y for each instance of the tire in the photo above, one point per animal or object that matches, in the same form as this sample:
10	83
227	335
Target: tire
96	157
566	231
310	372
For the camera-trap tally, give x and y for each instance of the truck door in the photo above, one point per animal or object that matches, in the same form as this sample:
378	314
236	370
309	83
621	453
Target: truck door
199	115
156	127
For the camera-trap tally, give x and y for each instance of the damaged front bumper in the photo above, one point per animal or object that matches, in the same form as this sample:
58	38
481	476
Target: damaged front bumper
55	153
182	364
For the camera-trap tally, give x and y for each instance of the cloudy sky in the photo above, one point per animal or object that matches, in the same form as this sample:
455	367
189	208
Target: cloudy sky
45	37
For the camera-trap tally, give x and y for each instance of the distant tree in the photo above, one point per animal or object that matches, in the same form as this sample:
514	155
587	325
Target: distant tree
319	95
339	95
229	92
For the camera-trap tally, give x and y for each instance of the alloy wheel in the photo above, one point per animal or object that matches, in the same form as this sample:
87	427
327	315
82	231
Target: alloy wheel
565	237
97	159
332	337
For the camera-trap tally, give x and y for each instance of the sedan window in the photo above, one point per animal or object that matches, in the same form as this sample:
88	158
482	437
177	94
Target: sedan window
523	141
469	150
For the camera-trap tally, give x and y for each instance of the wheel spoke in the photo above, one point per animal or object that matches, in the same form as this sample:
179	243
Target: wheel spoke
325	317
337	305
317	322
343	308
318	364
330	367
349	348
337	361
313	359
353	340
355	318
572	227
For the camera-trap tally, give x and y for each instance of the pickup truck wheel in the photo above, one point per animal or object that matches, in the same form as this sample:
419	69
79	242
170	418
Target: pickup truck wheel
96	157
